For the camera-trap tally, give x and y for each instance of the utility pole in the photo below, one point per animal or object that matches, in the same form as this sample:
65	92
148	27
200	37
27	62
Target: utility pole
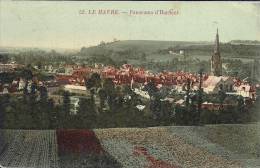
199	96
187	103
188	93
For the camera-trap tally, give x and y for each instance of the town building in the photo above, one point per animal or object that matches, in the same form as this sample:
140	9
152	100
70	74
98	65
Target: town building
9	67
216	63
246	91
75	89
213	84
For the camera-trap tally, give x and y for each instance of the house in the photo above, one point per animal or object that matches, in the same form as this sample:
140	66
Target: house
49	68
215	83
74	105
63	79
8	88
142	93
216	106
246	90
5	89
9	67
21	84
75	89
180	102
140	107
68	70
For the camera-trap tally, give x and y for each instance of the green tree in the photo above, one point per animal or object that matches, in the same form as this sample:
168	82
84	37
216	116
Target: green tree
92	84
87	113
65	113
151	88
4	58
109	87
43	93
102	95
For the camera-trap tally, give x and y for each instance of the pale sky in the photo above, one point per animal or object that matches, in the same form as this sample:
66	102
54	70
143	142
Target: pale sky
59	24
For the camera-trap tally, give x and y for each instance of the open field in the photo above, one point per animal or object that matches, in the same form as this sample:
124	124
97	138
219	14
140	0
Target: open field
165	147
29	148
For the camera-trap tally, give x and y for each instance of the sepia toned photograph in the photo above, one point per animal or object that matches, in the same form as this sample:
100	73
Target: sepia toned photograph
110	84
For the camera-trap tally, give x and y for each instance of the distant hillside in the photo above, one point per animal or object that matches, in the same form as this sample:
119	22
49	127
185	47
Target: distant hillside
248	42
159	50
152	46
147	46
24	49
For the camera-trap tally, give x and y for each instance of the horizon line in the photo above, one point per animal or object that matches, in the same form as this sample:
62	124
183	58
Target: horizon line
71	48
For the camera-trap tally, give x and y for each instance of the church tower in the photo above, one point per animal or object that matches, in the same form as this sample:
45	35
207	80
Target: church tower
216	63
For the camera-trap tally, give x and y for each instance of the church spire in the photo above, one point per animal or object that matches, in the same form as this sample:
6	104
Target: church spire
216	48
216	63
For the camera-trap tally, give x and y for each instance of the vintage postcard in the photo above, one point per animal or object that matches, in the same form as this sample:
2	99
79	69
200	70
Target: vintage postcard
109	84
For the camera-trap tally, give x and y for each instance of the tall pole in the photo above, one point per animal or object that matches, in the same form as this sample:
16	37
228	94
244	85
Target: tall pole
188	93
187	102
200	96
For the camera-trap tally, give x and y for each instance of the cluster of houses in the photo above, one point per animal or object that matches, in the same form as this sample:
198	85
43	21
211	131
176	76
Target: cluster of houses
139	77
126	75
9	67
75	78
129	75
